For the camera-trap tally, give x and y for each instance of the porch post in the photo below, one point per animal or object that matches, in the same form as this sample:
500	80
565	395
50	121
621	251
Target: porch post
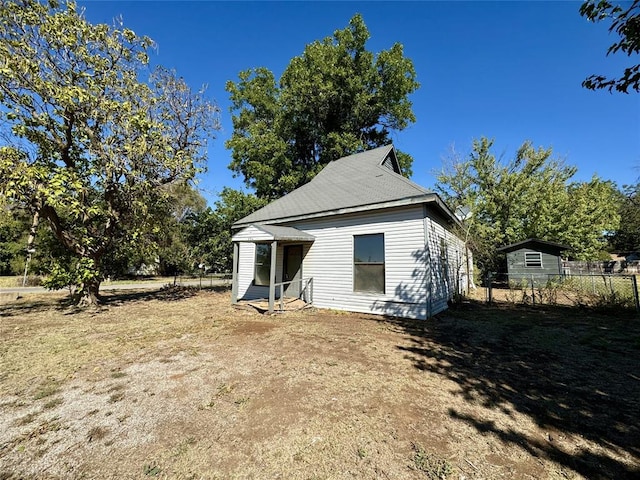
272	276
234	274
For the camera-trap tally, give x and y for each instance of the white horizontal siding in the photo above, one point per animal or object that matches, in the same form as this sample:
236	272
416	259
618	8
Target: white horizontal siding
438	286
457	263
246	268
330	262
246	259
252	234
448	268
419	277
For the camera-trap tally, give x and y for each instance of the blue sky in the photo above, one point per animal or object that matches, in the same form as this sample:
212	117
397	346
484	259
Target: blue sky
510	71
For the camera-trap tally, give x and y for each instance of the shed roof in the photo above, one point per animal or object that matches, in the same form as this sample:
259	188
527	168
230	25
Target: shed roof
533	243
359	182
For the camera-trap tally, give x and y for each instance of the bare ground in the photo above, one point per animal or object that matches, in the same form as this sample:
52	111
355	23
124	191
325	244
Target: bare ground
182	385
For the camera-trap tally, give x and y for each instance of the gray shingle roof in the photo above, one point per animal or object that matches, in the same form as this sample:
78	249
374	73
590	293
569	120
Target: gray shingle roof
286	233
532	243
358	182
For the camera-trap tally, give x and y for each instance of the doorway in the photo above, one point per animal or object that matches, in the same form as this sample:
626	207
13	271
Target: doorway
292	269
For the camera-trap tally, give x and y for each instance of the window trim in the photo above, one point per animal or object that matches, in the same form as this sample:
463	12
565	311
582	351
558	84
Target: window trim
383	263
255	265
537	261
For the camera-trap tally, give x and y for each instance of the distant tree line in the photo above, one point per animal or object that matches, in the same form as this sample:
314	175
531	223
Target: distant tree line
99	158
503	201
533	195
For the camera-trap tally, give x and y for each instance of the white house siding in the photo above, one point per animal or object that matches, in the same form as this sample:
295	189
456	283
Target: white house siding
246	264
420	277
252	234
456	261
330	262
446	263
245	270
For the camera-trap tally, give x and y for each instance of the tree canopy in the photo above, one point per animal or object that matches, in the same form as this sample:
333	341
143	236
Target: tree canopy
627	237
335	99
209	231
13	228
91	138
625	22
174	253
529	196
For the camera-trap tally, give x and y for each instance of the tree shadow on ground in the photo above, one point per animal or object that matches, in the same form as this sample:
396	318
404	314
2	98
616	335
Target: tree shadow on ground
166	293
574	373
42	303
26	305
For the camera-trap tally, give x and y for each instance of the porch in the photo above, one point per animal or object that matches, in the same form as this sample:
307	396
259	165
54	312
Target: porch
277	254
284	303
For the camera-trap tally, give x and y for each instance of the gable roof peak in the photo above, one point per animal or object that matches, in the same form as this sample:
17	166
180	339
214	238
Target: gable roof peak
532	242
358	182
384	156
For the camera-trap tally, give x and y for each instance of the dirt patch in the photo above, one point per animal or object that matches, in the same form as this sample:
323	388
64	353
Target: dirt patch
258	328
158	385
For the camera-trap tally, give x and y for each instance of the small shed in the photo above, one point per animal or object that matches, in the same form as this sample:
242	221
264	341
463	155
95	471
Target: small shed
533	258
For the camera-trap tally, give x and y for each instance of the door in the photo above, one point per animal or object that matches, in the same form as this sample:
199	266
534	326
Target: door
292	269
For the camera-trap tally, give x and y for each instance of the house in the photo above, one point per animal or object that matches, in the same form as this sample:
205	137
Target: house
533	258
358	237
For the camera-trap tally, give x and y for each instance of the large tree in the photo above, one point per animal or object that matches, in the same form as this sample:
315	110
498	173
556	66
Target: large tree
625	22
209	231
175	254
335	99
528	196
13	228
91	139
627	237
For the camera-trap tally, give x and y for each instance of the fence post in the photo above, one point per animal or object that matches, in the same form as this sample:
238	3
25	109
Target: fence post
489	288
613	291
533	291
636	296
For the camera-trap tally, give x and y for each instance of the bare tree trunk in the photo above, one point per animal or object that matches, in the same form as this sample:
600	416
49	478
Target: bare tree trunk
89	294
30	242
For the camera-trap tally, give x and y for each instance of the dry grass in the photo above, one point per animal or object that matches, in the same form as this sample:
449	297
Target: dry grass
182	385
16	281
9	281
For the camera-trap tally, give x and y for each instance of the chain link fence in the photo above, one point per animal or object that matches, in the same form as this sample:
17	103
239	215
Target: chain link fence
587	290
201	280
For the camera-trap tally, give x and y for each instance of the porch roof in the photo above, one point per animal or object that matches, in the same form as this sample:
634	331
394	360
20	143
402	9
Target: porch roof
270	233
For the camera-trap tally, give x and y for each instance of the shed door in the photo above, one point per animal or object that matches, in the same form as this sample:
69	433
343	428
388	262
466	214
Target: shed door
292	269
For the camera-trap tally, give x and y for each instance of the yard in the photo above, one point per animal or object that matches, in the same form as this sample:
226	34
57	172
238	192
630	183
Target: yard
179	384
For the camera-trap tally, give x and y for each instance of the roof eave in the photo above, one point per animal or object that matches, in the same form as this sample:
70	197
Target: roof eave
427	198
291	235
515	246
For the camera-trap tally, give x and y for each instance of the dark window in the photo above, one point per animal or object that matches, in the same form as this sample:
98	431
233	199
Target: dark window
263	264
368	263
533	259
